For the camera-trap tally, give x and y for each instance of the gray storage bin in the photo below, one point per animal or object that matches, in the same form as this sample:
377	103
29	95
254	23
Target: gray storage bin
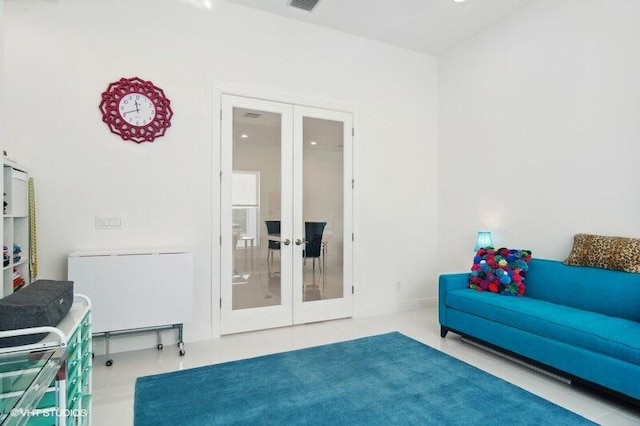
42	303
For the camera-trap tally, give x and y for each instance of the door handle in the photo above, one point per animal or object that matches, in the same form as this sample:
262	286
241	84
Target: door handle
286	242
298	241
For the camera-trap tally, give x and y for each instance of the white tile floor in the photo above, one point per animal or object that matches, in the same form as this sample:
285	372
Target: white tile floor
114	386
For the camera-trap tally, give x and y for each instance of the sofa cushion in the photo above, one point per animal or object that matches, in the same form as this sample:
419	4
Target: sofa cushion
599	251
612	293
615	337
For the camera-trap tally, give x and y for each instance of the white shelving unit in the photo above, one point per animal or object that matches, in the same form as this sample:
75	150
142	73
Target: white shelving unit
15	225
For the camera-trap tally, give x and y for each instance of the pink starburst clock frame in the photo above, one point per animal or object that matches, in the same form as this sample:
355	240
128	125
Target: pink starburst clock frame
136	109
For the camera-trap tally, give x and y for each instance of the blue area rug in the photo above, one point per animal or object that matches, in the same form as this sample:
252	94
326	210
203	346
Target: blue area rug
379	380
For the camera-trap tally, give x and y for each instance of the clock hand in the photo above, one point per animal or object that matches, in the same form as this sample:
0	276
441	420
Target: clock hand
136	103
133	110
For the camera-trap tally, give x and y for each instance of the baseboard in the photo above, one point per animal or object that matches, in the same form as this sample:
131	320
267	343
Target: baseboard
394	308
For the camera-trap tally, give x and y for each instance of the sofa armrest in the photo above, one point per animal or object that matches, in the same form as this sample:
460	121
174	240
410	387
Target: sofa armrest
447	283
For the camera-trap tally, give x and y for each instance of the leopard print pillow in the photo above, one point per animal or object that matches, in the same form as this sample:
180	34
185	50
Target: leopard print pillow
599	251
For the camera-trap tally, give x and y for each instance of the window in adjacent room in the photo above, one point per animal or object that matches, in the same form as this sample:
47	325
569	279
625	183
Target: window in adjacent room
246	207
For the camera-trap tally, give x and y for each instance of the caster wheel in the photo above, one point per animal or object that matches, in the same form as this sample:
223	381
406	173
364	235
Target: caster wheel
160	346
182	352
109	363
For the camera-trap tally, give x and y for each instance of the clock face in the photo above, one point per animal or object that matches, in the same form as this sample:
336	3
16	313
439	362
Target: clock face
137	109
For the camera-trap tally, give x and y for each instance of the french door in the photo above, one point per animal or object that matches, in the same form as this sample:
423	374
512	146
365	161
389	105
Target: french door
286	214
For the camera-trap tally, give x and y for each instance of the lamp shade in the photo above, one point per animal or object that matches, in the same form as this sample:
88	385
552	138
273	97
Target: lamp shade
483	240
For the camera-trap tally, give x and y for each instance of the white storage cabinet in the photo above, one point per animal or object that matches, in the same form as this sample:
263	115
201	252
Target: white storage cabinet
134	291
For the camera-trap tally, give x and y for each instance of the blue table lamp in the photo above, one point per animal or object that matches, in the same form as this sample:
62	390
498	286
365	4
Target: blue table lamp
483	240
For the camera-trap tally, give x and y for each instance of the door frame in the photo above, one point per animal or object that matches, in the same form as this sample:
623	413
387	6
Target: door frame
226	88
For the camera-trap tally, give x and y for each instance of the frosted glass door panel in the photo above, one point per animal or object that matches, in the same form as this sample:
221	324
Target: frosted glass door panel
256	288
256	195
322	208
322	275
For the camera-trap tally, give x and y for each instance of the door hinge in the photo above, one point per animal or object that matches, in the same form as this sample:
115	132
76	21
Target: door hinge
220	239
220	177
220	115
353	290
353	183
353	236
353	131
221	302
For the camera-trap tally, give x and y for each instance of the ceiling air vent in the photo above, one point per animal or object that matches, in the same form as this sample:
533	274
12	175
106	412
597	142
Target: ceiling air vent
252	115
307	5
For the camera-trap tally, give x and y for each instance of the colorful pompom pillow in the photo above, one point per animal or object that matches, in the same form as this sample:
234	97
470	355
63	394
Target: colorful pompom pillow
500	270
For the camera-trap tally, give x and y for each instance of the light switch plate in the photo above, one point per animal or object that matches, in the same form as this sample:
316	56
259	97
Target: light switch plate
109	222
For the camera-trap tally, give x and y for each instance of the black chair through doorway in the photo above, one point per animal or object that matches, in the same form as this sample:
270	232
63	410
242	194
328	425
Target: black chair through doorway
313	242
273	228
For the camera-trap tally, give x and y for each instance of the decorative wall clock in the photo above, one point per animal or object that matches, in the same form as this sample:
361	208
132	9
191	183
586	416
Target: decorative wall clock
136	109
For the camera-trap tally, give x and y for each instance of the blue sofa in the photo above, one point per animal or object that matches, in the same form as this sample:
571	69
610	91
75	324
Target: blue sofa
583	322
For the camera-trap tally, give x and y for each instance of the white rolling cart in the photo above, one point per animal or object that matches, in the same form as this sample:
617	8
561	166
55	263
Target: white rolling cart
135	291
49	382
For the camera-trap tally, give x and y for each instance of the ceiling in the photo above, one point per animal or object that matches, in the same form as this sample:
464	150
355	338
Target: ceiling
426	26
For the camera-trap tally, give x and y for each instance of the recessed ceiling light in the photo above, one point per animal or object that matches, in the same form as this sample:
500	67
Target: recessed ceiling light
459	1
244	136
314	143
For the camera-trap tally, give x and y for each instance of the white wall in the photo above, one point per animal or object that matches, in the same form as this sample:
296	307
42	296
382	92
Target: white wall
539	134
60	56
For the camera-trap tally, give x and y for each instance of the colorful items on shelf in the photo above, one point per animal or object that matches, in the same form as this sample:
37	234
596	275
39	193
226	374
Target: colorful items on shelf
18	281
16	253
6	258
